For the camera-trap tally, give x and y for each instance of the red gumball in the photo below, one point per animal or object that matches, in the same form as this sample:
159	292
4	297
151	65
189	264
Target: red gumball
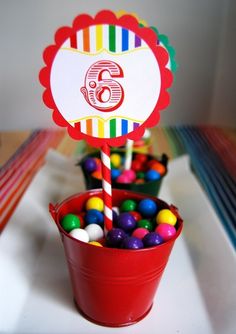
137	165
151	162
81	219
141	157
136	215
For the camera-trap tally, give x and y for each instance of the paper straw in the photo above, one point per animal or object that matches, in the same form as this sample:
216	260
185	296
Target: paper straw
128	154
106	186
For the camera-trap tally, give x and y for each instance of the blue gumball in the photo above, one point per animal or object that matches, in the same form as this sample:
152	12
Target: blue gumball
94	216
115	173
147	207
152	175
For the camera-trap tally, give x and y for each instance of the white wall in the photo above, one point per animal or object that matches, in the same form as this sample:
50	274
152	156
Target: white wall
193	26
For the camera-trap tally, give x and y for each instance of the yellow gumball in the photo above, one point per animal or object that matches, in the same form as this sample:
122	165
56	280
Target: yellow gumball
95	203
95	243
166	216
116	160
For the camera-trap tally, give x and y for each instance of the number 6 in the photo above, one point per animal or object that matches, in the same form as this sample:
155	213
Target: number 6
104	94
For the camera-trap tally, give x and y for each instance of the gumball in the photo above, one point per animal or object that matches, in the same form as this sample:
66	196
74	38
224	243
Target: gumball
115	237
81	219
115	160
136	215
152	239
123	179
94	216
80	234
130	174
147	207
95	243
141	157
95	232
128	205
152	175
166	216
132	243
140	232
144	223
90	165
115	173
158	167
95	203
69	222
166	231
140	175
99	164
137	165
126	221
150	163
97	174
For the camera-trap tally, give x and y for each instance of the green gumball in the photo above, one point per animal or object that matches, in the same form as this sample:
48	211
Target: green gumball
128	205
70	222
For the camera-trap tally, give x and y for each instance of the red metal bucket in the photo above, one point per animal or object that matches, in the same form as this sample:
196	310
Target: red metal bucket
112	287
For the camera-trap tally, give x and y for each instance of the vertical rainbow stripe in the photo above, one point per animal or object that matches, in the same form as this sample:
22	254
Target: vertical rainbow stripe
115	127
109	37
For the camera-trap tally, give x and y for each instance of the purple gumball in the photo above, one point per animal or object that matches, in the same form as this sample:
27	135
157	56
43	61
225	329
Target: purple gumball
126	221
152	239
132	243
115	237
90	165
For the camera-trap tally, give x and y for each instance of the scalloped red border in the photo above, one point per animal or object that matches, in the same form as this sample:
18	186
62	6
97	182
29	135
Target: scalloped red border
128	22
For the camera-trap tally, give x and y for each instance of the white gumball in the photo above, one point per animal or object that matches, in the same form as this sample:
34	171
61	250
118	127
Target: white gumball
95	232
80	234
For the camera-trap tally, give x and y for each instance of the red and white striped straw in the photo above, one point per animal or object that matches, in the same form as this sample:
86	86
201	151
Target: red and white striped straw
106	186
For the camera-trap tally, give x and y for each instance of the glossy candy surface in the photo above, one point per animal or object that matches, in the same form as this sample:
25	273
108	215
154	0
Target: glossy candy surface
147	207
166	231
132	243
126	221
166	216
116	160
95	203
152	175
140	232
152	239
128	205
115	237
94	216
90	165
144	223
80	234
70	221
95	232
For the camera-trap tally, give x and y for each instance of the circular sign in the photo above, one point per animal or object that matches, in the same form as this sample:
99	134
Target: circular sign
106	78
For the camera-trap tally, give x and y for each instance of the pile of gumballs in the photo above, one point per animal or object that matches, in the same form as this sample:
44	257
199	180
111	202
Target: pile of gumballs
144	168
136	224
